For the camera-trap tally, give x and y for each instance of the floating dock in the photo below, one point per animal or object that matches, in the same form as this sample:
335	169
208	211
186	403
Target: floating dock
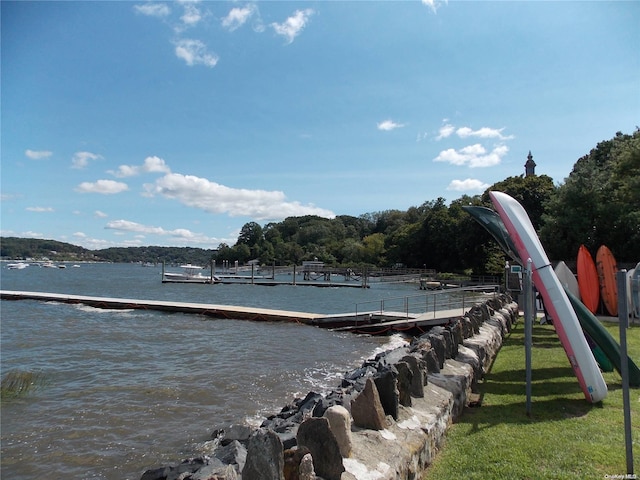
372	323
265	281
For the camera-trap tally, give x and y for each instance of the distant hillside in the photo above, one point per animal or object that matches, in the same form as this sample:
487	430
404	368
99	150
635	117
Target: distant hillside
14	248
169	255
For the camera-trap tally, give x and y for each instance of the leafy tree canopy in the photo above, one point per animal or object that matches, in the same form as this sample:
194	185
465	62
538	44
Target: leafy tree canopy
599	203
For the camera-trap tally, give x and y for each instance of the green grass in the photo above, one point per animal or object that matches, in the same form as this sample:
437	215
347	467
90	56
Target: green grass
565	437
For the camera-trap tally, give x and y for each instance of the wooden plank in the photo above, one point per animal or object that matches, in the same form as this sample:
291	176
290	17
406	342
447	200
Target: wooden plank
218	311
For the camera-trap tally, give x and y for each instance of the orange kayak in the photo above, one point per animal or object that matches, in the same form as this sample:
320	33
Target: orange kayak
588	282
607	269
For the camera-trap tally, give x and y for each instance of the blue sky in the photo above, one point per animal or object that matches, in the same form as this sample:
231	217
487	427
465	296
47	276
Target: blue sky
175	123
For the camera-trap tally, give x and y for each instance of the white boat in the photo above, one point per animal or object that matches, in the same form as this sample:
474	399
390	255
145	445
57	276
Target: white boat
565	322
190	274
17	266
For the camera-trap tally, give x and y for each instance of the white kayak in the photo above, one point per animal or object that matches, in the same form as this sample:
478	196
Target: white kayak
567	278
564	317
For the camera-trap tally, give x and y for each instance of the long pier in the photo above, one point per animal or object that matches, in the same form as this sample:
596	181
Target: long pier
374	322
211	310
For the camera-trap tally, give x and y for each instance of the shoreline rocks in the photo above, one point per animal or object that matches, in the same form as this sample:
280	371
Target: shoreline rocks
386	420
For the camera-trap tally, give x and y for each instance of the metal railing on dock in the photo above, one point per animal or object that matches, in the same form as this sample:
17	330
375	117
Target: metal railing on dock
432	301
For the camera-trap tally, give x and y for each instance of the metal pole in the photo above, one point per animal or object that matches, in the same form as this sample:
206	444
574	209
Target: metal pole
528	330
506	276
623	320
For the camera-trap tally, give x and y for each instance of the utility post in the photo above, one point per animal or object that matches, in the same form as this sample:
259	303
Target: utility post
529	314
623	319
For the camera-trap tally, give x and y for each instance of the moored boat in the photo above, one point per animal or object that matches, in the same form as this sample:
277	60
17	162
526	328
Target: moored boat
190	274
17	266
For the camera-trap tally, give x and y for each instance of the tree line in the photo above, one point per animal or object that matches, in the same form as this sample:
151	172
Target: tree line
598	203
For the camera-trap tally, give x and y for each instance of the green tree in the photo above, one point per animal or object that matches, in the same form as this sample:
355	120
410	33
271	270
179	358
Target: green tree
250	234
533	192
373	249
599	203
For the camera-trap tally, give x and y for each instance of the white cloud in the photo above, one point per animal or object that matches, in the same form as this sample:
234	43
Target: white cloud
81	159
151	165
434	4
105	187
484	132
293	25
473	156
445	131
467	185
39	209
38	154
128	226
99	214
183	235
30	234
192	14
238	17
215	198
465	132
389	125
194	52
153	9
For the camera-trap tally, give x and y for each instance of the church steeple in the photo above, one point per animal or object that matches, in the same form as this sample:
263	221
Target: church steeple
530	166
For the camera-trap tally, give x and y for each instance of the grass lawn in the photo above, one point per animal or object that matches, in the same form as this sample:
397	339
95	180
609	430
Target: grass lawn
565	437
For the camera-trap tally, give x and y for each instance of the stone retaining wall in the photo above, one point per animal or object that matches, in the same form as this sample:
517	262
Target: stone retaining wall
386	421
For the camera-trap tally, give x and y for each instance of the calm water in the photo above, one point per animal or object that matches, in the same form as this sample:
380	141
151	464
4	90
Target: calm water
124	391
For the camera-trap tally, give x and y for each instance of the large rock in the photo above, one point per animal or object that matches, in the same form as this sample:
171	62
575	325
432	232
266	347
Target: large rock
438	346
306	470
404	379
467	326
233	453
418	375
340	424
292	460
455	327
189	466
233	432
315	434
215	472
366	408
265	459
387	385
423	347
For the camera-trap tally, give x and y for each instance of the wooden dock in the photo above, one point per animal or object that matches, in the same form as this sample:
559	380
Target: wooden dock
216	311
372	323
265	281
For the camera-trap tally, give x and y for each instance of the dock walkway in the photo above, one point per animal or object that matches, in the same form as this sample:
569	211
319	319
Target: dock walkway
373	323
217	311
